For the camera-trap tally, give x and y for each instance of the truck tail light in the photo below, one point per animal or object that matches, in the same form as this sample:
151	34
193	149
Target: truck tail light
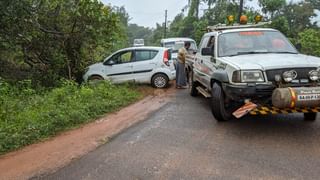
166	58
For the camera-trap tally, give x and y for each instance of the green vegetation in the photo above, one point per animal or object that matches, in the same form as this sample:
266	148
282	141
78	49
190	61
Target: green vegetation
47	40
27	115
44	41
310	41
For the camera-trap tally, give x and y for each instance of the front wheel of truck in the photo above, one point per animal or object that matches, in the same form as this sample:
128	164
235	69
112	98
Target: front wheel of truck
192	85
310	116
218	106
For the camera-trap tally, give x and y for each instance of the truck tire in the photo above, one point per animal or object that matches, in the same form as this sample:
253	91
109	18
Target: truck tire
192	85
310	116
218	104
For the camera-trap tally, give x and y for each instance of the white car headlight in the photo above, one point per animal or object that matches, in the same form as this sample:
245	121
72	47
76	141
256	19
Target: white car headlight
252	76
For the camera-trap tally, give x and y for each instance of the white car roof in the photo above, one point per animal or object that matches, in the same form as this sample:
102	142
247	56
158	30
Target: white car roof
176	39
143	47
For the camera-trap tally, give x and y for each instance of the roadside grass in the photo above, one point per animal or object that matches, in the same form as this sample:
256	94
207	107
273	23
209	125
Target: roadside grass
28	116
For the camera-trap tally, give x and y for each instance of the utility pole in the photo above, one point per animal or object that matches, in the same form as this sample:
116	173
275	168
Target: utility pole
240	10
165	23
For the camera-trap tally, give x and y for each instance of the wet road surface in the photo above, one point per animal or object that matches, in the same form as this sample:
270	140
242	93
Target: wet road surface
183	141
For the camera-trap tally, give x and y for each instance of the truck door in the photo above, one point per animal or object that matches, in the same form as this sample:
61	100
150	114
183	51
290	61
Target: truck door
206	63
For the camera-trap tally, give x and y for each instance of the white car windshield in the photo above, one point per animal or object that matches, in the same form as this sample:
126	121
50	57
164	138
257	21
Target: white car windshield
253	42
175	46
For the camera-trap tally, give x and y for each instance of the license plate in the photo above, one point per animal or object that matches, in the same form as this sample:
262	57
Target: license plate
308	97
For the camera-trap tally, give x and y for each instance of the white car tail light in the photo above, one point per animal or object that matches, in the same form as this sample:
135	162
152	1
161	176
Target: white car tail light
166	58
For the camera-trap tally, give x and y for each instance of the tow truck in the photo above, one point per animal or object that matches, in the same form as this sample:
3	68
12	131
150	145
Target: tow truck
249	69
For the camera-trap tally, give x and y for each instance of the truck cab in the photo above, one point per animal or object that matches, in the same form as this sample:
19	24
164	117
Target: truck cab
238	65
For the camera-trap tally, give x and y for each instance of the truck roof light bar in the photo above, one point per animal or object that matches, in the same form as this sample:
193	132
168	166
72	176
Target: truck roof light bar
220	27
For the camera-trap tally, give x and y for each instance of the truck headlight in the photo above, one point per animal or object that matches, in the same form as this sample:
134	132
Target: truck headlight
252	76
288	76
314	75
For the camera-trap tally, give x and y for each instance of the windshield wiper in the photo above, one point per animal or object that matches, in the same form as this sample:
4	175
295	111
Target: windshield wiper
248	52
283	52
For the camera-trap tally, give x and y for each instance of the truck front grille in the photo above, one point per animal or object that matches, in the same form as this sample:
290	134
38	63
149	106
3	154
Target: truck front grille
303	73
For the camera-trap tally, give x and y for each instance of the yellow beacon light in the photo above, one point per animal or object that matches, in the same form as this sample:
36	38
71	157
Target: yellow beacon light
230	19
257	19
243	19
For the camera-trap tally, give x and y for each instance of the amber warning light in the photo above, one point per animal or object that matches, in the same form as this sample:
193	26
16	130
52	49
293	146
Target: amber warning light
230	19
257	19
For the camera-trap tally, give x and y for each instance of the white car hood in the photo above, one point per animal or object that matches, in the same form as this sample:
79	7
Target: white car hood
272	61
96	66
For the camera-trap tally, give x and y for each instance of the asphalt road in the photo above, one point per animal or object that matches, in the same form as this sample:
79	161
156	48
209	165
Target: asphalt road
183	141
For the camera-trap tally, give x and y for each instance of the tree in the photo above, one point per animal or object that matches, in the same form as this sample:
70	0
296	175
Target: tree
310	41
194	8
58	38
281	23
221	9
139	32
272	6
298	17
176	25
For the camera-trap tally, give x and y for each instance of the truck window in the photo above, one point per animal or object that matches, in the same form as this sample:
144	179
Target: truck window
211	42
204	42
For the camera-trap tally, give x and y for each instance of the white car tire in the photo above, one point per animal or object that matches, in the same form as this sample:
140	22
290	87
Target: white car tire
159	81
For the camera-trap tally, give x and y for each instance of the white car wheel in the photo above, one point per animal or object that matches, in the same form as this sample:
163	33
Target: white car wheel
160	81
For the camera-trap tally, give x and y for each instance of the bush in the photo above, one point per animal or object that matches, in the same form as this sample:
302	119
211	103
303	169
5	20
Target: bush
29	115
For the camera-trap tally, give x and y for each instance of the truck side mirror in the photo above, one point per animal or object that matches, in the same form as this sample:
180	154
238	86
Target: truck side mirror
206	51
298	46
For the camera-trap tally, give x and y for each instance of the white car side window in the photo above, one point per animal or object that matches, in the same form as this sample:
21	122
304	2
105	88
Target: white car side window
143	55
122	57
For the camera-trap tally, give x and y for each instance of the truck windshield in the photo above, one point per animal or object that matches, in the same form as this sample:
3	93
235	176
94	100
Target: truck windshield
253	42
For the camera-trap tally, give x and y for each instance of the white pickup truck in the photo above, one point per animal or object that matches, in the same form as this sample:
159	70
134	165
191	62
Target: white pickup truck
254	70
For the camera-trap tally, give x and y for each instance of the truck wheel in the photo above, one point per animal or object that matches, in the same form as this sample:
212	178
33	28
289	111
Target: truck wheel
192	85
310	116
218	104
159	81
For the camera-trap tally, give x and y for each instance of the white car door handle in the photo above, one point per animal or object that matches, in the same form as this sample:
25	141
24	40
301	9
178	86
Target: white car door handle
130	66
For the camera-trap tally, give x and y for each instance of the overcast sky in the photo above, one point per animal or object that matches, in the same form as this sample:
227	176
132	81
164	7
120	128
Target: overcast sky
149	12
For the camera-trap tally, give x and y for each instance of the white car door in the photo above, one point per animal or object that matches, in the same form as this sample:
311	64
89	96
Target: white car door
145	60
119	67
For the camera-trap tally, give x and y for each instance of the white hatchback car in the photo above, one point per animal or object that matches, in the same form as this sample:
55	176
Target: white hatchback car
135	64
